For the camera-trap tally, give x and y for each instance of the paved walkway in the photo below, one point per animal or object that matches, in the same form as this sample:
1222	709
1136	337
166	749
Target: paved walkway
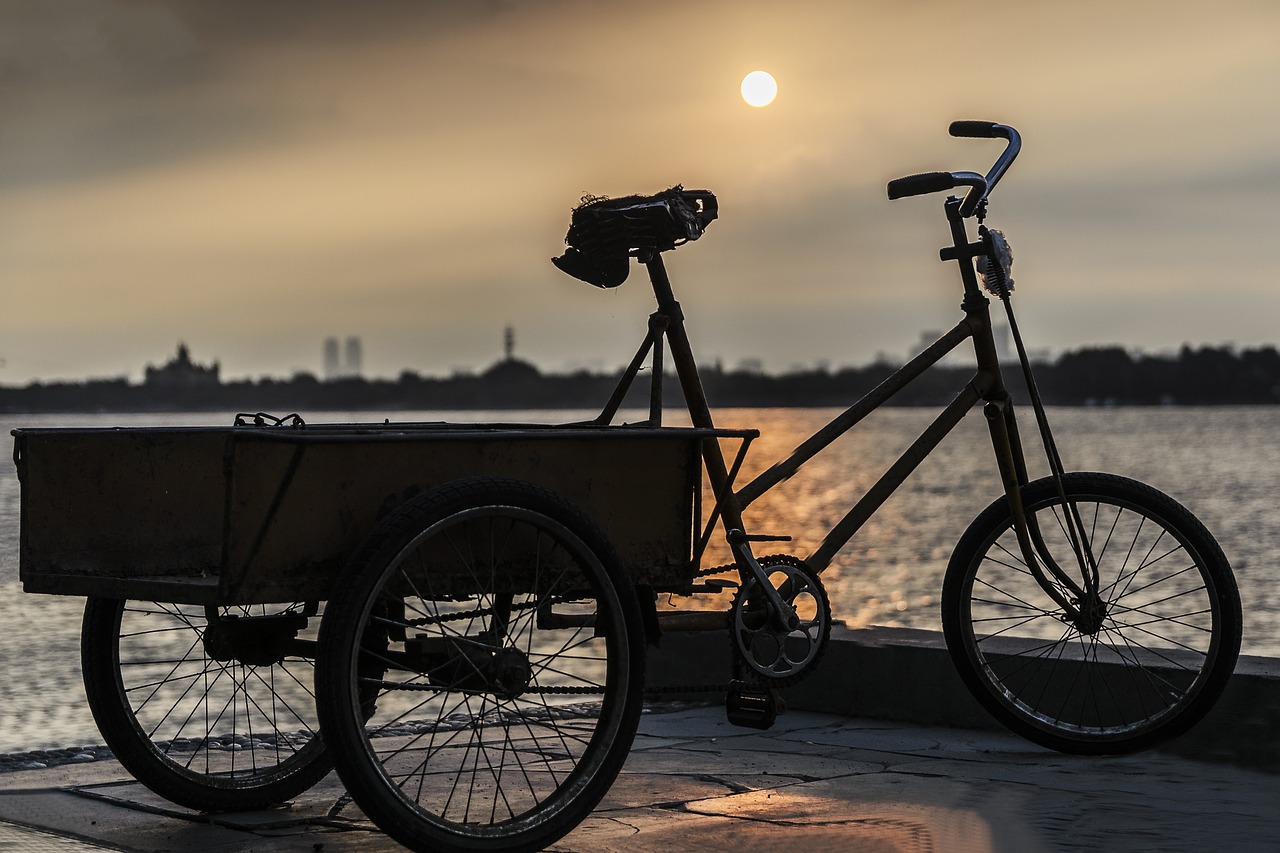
812	784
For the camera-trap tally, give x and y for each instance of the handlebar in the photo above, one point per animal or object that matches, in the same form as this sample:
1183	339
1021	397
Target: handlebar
974	129
980	186
932	182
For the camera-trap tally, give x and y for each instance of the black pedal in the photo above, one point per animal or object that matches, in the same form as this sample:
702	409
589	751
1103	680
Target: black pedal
753	707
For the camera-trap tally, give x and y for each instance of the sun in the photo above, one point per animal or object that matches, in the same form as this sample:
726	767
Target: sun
759	88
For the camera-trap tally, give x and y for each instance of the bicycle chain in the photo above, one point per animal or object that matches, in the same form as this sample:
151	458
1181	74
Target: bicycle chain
716	570
660	690
586	691
486	611
558	599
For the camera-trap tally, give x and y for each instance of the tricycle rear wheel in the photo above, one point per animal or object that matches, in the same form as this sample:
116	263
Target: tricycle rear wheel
481	669
211	708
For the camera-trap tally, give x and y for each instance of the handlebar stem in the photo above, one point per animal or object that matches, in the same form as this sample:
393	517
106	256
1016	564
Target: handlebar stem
978	186
960	251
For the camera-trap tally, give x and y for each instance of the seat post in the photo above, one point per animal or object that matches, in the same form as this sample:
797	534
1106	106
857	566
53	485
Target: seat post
691	384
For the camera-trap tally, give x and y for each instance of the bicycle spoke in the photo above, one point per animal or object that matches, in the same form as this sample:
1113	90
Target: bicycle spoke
485	630
204	732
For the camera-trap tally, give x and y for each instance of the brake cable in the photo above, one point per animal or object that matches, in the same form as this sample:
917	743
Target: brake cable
997	281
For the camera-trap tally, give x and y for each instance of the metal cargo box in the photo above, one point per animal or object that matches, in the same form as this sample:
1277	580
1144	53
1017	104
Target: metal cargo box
239	514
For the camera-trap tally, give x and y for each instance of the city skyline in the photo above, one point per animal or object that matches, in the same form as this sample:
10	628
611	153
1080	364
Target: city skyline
335	361
1107	376
256	176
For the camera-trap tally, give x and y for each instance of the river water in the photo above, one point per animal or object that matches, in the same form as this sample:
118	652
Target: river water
1222	463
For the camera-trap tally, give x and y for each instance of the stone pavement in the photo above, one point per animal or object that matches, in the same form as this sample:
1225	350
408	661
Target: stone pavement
814	783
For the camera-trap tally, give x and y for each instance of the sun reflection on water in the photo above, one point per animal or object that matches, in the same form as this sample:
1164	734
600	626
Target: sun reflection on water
1220	462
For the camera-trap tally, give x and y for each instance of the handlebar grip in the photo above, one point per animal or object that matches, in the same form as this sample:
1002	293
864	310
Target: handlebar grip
974	129
928	182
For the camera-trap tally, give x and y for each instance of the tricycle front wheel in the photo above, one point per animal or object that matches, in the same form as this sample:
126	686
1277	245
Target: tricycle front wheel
1158	650
481	669
211	708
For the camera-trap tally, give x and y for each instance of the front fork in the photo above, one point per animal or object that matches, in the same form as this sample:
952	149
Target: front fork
1080	601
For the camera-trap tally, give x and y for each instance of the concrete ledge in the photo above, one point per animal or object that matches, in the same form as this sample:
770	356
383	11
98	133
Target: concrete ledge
906	675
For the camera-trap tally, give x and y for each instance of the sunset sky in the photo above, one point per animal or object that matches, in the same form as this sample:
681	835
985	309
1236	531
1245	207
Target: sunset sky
251	178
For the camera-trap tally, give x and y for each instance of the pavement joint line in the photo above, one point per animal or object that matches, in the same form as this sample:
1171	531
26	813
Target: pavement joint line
341	803
36	839
218	819
732	787
133	805
1018	793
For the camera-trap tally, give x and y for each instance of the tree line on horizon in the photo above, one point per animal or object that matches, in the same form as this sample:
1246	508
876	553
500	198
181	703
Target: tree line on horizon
1091	376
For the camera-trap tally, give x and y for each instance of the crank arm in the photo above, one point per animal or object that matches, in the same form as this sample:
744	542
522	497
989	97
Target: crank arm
783	614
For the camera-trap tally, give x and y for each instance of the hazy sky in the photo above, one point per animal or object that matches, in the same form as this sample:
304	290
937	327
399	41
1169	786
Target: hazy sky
253	177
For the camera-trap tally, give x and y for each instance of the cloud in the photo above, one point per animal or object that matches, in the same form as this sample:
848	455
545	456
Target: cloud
260	175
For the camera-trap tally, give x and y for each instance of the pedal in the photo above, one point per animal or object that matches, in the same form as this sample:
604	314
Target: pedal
753	707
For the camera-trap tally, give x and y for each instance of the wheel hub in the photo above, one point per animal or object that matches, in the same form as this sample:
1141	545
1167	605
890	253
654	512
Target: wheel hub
1090	615
252	640
510	673
471	664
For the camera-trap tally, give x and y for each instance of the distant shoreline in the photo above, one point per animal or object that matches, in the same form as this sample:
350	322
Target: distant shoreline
1091	377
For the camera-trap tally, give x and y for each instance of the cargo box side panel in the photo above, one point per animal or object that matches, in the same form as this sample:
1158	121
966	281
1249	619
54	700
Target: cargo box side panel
298	510
102	508
641	494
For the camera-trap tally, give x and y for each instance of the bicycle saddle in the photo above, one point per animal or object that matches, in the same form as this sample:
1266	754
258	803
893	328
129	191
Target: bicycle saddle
604	233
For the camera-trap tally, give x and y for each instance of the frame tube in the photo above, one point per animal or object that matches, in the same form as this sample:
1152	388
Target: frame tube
844	422
894	477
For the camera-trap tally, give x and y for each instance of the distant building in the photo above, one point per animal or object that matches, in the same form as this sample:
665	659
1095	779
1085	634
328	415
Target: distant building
354	365
511	370
345	364
182	372
332	369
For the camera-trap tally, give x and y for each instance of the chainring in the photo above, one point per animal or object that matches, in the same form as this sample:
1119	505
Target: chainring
768	652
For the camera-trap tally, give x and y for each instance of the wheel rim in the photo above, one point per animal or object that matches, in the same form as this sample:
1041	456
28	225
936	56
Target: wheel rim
223	724
1148	660
491	712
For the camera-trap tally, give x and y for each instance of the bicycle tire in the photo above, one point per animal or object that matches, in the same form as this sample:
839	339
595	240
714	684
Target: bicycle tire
455	659
1167	644
208	734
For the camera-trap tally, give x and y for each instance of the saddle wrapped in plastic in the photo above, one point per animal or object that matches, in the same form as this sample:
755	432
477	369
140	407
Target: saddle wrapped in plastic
604	233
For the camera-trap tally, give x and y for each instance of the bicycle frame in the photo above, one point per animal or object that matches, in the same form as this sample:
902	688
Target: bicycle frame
1044	646
987	386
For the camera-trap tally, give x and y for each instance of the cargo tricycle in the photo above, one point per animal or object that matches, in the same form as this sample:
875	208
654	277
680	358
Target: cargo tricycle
456	616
